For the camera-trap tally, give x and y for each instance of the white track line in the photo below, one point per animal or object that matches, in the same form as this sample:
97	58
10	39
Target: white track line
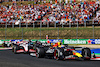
5	48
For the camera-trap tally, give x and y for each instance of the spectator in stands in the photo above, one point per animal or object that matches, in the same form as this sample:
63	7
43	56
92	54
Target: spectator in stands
60	12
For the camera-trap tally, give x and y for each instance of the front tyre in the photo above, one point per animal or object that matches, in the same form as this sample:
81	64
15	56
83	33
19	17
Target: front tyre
59	54
86	53
15	48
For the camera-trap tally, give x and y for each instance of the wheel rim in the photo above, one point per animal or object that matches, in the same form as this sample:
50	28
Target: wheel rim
14	49
85	52
37	53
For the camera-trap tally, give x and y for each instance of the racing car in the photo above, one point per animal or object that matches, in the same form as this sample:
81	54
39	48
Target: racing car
22	47
7	44
61	53
10	43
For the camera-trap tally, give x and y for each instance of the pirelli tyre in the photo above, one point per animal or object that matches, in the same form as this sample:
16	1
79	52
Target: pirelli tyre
86	53
15	48
40	52
10	45
4	45
59	54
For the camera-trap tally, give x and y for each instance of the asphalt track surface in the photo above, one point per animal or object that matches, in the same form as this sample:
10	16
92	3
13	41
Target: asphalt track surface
9	59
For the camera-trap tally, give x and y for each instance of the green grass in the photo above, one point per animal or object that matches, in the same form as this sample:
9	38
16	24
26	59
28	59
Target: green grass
32	2
1	47
52	32
50	28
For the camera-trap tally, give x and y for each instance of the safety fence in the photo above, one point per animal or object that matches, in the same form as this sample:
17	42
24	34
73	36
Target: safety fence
49	23
63	30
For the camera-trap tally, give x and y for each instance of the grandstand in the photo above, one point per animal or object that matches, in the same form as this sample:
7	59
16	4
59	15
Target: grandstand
48	15
51	14
43	0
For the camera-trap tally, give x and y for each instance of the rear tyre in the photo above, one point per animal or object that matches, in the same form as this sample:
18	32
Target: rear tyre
40	52
10	45
4	45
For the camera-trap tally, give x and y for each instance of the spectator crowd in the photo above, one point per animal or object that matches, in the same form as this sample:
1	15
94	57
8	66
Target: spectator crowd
60	13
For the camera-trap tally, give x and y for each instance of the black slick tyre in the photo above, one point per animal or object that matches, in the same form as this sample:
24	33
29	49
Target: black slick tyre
59	54
86	53
40	52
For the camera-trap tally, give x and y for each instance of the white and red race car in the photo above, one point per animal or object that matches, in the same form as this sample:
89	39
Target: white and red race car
22	47
7	44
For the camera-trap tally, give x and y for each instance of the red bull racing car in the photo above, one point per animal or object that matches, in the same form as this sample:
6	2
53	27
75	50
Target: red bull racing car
61	52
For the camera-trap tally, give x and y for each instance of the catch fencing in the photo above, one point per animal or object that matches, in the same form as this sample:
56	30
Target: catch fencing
87	29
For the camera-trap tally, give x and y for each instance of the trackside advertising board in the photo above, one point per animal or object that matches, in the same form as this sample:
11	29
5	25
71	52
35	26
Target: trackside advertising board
41	40
76	41
94	41
2	41
55	40
64	41
50	40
